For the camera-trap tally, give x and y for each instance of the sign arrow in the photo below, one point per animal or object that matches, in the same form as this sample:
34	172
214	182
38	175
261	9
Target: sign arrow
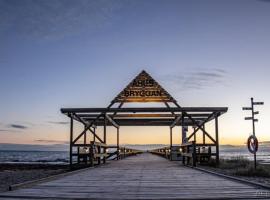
258	103
247	108
248	118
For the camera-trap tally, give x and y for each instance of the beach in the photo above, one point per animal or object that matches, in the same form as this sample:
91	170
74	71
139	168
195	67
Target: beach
14	173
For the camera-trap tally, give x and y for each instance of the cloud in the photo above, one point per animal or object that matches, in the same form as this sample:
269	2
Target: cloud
8	130
52	122
18	126
197	79
56	19
51	141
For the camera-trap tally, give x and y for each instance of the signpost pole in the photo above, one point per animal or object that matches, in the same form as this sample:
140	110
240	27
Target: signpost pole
253	128
252	140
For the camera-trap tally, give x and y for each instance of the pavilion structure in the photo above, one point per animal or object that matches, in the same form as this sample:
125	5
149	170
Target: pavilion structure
143	88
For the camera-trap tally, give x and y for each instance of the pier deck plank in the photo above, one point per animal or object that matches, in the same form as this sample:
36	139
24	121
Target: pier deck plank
144	176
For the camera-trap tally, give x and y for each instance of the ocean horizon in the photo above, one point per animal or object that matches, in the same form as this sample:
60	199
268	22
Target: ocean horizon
48	155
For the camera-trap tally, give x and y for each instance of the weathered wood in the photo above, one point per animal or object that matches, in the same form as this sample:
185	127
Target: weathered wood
70	141
140	177
99	155
217	140
175	121
145	109
112	121
145	121
98	144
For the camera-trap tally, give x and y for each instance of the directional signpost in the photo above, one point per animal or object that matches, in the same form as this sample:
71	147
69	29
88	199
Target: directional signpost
252	142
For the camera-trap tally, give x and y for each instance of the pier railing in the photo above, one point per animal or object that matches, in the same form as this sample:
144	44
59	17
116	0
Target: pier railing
125	152
190	153
96	153
193	153
164	152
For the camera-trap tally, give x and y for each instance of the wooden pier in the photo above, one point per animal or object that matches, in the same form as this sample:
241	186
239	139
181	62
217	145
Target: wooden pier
145	176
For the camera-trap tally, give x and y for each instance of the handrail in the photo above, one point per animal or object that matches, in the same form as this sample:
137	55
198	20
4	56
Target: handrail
94	152
164	152
189	153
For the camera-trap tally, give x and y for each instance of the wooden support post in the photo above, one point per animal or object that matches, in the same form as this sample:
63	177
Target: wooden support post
170	137
203	134
84	136
194	128
104	136
99	152
94	139
78	155
170	143
217	142
117	143
91	149
194	159
71	141
184	135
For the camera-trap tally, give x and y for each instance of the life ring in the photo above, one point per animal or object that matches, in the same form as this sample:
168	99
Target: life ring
252	144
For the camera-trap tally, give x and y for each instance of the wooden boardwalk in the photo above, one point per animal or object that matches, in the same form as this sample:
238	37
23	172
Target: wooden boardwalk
144	176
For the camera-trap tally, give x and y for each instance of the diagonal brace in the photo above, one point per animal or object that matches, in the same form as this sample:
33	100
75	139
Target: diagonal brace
176	121
200	127
112	121
87	127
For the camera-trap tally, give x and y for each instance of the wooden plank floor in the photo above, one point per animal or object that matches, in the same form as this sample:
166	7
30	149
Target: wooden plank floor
145	176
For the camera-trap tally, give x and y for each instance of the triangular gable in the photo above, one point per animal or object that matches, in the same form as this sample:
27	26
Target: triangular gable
143	88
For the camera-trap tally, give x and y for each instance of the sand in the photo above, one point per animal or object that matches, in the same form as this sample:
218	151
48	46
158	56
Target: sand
18	173
256	179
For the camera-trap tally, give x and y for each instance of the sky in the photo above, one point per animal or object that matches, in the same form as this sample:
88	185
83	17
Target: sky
82	53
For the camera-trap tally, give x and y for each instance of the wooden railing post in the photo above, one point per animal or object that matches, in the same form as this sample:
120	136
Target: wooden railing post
217	141
91	153
118	153
183	157
99	152
105	137
194	159
71	141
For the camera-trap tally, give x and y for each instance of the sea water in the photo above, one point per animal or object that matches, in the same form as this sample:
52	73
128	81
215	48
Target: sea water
62	157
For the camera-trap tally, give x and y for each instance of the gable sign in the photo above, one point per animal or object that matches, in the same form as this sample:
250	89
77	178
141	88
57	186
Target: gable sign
143	89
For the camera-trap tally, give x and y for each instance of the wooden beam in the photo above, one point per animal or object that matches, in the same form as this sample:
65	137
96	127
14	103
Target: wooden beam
217	141
71	141
94	135
170	137
111	120
200	128
176	121
145	122
184	112
143	115
90	124
117	143
86	127
104	136
98	144
194	128
145	109
203	126
84	137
